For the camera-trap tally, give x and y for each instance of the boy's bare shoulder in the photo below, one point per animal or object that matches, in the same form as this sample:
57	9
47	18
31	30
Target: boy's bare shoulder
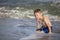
45	17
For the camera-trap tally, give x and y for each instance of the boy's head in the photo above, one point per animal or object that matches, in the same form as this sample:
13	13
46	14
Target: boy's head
37	10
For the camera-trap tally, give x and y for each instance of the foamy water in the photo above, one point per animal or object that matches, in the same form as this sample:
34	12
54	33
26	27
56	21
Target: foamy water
18	12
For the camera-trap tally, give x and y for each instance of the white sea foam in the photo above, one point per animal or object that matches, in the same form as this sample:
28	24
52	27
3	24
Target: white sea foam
19	12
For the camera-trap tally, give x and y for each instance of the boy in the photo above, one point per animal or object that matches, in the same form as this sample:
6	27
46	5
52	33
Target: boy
41	19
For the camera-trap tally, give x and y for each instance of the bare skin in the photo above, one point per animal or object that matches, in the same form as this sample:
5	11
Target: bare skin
39	21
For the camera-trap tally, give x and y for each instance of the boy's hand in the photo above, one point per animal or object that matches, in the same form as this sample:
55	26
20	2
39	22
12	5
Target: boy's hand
49	32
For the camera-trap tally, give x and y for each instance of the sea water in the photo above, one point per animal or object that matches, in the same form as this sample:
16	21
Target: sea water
17	21
18	29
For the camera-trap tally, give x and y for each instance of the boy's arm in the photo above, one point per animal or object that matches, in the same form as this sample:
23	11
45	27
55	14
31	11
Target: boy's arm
47	21
37	24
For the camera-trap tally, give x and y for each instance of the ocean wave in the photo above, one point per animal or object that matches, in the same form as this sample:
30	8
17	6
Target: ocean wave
19	12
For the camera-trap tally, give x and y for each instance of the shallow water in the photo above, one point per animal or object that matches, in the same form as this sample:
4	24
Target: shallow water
22	27
17	29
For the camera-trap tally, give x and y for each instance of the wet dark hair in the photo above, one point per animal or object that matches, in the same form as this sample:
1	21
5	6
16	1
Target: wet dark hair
37	10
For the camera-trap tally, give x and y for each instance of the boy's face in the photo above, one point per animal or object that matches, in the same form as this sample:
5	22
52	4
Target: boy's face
37	14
